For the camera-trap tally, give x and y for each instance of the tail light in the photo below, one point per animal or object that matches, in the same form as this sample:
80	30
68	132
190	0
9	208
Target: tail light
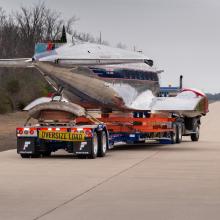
24	132
88	133
31	132
20	131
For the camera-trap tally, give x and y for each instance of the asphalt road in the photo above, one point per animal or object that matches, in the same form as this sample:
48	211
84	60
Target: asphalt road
133	182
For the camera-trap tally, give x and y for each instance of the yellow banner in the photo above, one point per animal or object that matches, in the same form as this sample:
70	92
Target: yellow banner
61	136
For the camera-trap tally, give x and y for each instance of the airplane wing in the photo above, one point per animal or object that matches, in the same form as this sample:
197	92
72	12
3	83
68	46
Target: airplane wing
70	107
189	103
28	62
90	62
20	62
188	107
41	100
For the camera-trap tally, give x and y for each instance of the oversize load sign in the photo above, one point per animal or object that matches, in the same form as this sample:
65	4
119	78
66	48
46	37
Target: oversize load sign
61	136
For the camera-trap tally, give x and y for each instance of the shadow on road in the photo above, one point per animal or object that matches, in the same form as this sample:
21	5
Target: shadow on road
185	146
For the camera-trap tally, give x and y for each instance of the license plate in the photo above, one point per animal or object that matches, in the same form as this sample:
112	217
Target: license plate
61	136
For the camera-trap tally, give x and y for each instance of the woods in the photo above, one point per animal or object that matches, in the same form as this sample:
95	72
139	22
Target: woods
20	31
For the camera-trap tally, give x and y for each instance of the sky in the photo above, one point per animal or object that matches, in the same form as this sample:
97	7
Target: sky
181	36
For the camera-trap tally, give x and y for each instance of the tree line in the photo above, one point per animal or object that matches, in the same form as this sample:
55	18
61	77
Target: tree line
21	30
213	97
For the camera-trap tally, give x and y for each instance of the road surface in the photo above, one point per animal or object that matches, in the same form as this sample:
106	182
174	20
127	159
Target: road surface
132	182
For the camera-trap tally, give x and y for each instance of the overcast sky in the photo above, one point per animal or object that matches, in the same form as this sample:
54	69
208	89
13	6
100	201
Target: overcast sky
181	36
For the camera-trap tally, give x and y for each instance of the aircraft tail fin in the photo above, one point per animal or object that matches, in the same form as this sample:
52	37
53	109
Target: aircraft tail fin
44	47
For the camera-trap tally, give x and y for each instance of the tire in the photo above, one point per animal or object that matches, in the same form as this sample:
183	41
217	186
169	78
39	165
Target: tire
102	144
94	146
179	133
25	155
46	154
195	136
36	155
30	155
174	134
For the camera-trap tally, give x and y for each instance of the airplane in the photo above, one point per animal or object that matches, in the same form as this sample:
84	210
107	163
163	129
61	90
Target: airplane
98	76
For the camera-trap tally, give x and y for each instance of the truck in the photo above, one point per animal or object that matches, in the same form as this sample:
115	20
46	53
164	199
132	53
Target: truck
92	135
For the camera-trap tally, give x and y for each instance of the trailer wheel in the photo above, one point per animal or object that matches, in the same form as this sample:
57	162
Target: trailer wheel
25	155
94	146
179	133
102	144
195	136
46	154
36	155
174	134
30	155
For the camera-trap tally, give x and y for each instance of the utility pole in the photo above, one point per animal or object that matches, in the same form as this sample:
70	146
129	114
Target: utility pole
100	37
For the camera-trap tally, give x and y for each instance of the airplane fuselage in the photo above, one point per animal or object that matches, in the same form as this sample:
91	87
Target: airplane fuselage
118	86
103	87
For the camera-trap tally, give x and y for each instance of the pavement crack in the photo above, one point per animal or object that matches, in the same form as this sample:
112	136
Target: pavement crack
96	186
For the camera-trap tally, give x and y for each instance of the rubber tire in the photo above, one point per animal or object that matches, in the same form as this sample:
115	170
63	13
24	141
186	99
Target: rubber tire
195	137
179	133
94	146
174	135
30	155
102	144
46	154
24	156
36	155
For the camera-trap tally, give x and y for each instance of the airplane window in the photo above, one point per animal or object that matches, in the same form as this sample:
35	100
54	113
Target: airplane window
126	74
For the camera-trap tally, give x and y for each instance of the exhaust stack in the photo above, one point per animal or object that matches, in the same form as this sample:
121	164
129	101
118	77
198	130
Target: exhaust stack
181	82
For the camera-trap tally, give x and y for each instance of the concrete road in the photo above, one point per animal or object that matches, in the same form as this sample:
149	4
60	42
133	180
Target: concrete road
132	182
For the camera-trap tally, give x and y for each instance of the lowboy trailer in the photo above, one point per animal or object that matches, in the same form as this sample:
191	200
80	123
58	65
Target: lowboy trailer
91	137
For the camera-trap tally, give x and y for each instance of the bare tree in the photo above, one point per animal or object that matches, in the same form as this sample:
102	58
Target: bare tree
8	36
20	31
39	23
30	23
121	45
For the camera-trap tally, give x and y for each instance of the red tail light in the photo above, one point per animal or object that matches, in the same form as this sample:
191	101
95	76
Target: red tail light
31	132
20	131
88	133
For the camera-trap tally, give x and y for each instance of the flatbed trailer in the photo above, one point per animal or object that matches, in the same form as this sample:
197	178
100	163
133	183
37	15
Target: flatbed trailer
91	137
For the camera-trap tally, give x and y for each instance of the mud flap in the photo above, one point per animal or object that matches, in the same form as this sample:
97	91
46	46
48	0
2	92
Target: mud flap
83	148
26	145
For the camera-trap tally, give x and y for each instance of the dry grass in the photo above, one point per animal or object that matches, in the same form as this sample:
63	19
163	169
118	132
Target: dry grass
8	124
